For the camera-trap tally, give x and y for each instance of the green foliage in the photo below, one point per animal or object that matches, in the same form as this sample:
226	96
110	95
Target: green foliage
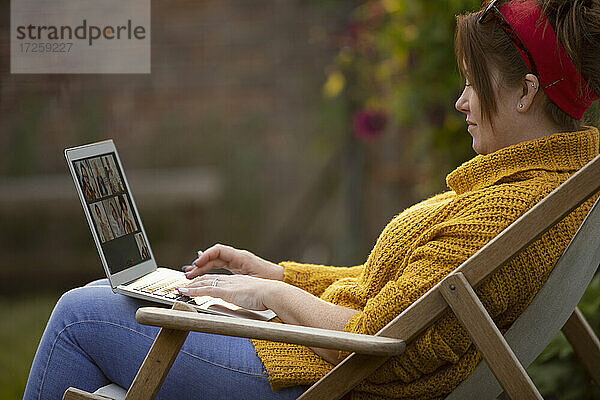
557	372
22	322
398	56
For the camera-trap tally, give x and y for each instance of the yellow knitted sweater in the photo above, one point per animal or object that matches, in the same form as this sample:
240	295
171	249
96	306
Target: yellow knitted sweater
425	243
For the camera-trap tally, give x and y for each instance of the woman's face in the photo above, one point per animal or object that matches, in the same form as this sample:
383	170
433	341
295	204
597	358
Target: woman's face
485	139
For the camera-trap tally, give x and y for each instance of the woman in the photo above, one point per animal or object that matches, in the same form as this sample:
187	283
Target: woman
100	180
525	125
114	182
103	227
125	219
115	223
88	190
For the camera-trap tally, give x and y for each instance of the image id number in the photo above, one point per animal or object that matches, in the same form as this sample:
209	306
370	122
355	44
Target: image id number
62	47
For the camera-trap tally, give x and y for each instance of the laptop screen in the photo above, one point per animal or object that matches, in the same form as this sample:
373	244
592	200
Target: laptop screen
109	204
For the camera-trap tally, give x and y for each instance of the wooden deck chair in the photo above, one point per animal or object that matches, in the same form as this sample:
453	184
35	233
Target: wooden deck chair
553	308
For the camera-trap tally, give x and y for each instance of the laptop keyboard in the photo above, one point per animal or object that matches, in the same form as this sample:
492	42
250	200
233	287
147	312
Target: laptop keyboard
163	287
163	282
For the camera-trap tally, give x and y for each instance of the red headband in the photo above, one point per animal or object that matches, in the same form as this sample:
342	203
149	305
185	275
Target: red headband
556	72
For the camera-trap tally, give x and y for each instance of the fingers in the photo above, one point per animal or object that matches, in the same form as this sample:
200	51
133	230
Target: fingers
207	285
199	253
194	271
207	280
245	291
186	268
217	256
203	291
216	252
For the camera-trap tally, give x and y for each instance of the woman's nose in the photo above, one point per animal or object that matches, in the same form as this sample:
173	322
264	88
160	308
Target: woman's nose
462	104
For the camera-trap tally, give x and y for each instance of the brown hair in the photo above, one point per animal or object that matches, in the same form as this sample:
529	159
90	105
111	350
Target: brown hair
483	48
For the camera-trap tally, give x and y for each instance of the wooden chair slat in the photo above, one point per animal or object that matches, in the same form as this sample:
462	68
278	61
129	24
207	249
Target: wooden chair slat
585	343
158	361
487	337
78	394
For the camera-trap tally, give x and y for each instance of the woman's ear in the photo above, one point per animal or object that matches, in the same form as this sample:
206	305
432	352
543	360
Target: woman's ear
530	86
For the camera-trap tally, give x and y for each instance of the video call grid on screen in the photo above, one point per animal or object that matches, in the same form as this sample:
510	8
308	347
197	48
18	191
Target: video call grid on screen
109	205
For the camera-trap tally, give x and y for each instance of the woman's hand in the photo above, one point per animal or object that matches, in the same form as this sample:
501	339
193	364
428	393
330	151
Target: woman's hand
243	290
240	262
291	304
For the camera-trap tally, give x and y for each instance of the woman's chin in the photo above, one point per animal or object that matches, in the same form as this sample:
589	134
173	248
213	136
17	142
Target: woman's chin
479	149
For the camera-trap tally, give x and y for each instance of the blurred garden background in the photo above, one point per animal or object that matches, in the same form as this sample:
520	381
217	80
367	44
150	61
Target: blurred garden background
293	129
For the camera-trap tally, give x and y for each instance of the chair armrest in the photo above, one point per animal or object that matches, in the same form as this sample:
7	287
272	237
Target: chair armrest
276	332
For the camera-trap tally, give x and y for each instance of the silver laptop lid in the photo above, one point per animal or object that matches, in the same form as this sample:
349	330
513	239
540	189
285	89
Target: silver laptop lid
110	211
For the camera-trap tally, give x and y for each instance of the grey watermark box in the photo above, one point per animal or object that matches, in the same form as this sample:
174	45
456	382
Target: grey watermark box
80	36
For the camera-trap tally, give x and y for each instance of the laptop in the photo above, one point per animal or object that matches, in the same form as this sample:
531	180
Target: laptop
120	237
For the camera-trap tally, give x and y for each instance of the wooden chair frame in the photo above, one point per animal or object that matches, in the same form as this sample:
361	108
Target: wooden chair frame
455	292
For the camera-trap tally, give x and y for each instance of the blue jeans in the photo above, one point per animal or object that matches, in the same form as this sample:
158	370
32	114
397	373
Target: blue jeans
92	339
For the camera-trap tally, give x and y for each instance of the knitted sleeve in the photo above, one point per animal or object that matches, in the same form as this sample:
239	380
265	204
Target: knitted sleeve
316	278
